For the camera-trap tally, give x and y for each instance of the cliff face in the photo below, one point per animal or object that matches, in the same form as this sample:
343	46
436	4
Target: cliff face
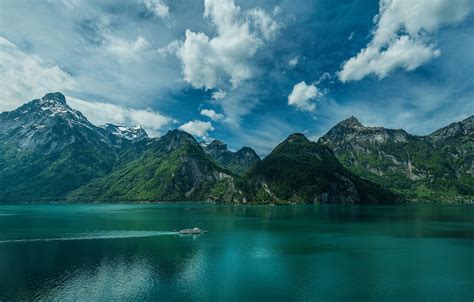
430	168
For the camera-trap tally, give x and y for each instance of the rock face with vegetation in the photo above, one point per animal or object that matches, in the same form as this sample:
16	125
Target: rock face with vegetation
171	168
238	162
48	149
436	167
51	152
301	171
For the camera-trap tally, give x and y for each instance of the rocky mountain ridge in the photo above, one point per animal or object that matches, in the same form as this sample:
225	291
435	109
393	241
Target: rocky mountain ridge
134	133
439	165
49	151
238	162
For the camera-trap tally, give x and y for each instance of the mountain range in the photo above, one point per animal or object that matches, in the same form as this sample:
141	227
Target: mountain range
435	167
51	152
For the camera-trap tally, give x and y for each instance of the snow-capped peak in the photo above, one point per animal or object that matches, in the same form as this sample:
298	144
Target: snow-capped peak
134	133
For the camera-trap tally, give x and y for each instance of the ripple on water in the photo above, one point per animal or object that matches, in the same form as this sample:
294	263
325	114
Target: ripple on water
92	236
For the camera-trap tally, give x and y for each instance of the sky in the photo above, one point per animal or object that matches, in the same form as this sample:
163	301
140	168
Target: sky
248	73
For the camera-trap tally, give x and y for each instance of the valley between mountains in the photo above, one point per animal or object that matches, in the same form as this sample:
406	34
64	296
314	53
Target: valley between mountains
50	152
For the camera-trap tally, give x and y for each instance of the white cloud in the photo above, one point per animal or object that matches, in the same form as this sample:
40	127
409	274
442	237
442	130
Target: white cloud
293	62
212	114
125	50
401	36
24	77
157	7
404	52
218	95
263	22
170	49
210	62
302	96
99	113
197	128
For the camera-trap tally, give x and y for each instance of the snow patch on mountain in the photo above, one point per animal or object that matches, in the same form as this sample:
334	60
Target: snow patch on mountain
135	133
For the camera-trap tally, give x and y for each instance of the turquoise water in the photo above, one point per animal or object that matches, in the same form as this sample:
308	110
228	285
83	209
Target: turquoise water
293	253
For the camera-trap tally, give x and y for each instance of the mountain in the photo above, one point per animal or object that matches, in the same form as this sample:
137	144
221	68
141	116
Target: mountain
51	152
436	167
301	171
134	134
237	162
456	143
48	149
171	168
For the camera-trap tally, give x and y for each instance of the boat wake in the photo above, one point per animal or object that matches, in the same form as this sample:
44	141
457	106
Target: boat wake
93	236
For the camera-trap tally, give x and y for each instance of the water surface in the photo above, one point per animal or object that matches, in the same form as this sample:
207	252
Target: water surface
292	253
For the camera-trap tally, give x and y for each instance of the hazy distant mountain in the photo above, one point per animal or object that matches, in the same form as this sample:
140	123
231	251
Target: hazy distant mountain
436	167
238	162
299	170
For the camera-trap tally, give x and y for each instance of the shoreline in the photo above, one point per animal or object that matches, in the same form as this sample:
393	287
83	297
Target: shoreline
409	203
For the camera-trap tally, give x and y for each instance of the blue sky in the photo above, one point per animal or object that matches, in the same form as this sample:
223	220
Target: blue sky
245	72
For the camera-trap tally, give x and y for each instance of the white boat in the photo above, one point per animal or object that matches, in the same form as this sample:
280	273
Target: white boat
192	231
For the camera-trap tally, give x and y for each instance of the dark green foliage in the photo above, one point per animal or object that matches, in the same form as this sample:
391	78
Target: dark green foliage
172	168
305	172
27	176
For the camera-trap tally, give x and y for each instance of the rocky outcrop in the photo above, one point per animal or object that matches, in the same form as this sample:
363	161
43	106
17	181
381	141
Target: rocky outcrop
238	162
424	168
134	134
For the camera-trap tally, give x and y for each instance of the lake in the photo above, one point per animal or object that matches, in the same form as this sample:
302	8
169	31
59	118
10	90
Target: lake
265	253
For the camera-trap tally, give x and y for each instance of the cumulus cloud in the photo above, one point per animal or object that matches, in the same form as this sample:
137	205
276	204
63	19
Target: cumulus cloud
99	113
218	95
404	52
197	128
170	49
210	62
303	95
157	7
24	77
125	50
212	114
402	36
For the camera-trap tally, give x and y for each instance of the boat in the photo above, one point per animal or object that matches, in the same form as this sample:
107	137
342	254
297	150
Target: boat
193	231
